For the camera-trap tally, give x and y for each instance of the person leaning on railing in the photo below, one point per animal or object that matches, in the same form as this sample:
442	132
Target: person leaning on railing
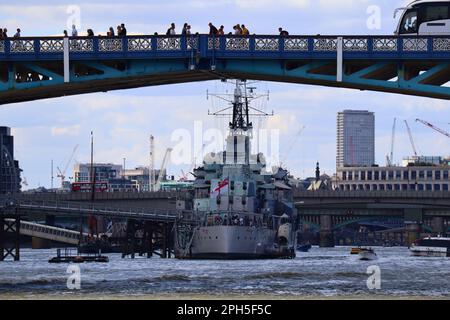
213	30
110	33
123	31
283	33
171	31
245	31
184	30
237	30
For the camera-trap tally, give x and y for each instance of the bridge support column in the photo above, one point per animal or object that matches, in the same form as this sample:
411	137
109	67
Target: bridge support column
438	226
147	241
413	222
166	248
2	239
10	238
326	232
130	240
412	233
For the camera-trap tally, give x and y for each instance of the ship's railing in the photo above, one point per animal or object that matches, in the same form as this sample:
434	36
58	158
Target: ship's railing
262	45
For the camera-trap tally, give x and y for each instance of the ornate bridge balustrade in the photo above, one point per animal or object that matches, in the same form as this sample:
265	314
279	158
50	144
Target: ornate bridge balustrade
390	46
36	68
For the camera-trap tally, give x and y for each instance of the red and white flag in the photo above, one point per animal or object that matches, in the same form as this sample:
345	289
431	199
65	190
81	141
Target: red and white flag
222	187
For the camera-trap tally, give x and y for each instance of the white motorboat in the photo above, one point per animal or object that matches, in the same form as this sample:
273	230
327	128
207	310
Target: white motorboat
367	255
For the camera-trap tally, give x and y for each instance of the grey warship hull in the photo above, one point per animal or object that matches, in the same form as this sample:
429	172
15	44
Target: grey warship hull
234	243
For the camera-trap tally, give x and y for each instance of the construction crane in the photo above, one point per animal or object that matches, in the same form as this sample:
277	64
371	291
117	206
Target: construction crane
411	139
62	174
390	157
441	131
292	144
163	168
151	172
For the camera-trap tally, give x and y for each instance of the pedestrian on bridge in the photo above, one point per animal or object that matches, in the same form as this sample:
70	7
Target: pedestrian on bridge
171	31
1	33
221	31
65	34
110	32
245	31
74	31
123	31
213	30
237	30
17	35
283	33
184	30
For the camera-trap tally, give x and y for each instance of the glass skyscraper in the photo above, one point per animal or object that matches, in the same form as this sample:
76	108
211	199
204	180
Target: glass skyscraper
9	168
355	139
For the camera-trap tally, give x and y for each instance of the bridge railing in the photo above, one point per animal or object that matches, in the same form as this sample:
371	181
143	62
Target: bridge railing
86	209
228	45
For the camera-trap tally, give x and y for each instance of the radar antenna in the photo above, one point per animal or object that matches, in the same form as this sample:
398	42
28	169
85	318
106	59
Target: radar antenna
240	102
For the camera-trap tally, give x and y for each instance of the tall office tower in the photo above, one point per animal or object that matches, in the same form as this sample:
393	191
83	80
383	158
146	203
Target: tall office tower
9	168
355	139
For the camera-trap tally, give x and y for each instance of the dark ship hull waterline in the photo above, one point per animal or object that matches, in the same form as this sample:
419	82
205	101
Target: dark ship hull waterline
240	210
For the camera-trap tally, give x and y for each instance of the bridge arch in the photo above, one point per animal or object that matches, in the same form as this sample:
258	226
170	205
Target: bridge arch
38	68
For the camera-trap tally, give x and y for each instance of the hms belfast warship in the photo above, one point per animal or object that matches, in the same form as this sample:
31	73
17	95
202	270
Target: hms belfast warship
242	211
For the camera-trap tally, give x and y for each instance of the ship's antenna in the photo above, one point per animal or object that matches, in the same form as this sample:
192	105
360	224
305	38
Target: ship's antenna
240	108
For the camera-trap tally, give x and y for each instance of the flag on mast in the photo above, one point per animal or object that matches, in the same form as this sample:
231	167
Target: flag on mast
222	188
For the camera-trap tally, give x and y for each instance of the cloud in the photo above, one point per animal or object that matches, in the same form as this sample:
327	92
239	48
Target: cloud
268	4
66	131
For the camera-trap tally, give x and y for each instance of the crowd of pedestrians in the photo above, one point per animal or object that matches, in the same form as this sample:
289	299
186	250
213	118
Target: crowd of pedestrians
3	33
121	31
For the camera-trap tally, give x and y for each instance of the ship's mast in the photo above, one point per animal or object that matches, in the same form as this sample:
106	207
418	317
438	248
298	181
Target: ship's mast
241	120
240	105
238	146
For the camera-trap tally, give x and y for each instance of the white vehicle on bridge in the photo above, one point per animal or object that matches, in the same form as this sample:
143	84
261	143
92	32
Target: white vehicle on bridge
424	18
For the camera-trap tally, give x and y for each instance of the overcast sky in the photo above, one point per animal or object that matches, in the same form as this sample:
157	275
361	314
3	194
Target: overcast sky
48	130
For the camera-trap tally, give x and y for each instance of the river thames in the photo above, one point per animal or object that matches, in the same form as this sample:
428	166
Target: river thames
319	274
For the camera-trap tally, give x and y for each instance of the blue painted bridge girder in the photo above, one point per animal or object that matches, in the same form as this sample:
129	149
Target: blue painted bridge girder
33	68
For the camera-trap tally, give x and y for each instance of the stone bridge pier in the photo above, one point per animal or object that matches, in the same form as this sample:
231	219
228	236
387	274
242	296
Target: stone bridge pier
413	225
438	226
326	232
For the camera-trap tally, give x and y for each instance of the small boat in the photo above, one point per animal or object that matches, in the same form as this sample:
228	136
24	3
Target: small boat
304	247
356	250
367	255
431	247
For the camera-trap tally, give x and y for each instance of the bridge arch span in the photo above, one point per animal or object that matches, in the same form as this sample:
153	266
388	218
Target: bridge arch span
45	67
